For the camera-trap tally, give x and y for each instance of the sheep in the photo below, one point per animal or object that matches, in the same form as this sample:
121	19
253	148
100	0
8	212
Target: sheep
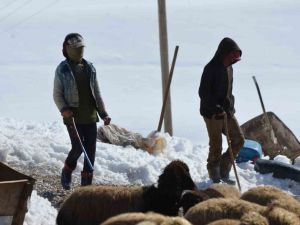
251	218
134	218
280	216
220	208
227	191
92	205
225	222
265	195
142	218
191	198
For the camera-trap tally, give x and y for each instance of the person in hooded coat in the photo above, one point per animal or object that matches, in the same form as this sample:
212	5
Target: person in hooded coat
76	94
216	97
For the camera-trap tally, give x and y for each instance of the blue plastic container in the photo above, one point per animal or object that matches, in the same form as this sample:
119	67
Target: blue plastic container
250	151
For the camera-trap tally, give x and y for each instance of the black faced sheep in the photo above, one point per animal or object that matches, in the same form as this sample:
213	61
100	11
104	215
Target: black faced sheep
144	218
92	205
220	208
191	198
265	195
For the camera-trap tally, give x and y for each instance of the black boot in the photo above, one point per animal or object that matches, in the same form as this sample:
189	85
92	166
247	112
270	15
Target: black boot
86	178
66	177
214	174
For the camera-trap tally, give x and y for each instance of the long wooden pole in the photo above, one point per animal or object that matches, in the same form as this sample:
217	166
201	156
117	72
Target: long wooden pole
164	60
273	136
230	151
166	94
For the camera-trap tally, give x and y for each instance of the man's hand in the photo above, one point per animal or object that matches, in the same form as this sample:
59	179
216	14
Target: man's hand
107	120
67	114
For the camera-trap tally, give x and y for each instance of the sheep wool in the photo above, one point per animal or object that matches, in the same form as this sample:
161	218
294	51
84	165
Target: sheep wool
220	208
225	222
91	205
134	218
191	198
253	218
145	219
94	204
280	216
222	190
265	195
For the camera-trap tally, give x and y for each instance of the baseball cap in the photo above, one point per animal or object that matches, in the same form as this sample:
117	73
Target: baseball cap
74	40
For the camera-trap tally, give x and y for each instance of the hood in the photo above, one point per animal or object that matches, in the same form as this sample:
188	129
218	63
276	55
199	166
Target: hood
226	45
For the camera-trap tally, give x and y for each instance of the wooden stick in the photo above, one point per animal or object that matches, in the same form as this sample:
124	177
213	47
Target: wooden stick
273	136
163	109
230	151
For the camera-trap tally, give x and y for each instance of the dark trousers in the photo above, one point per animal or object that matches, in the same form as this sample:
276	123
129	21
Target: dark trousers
218	163
88	134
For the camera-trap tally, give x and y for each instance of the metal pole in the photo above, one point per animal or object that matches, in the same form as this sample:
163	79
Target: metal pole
167	90
163	40
82	148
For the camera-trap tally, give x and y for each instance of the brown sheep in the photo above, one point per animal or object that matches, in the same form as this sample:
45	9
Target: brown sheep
280	216
144	218
265	195
191	198
251	218
225	222
92	205
220	208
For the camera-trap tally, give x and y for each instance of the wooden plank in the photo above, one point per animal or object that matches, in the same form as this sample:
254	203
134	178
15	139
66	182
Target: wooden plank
19	215
7	173
10	193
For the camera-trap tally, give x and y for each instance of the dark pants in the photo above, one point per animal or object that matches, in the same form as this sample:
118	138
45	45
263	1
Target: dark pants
219	164
88	134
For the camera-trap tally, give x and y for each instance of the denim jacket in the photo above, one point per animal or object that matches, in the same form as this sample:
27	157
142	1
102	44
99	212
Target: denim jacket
65	92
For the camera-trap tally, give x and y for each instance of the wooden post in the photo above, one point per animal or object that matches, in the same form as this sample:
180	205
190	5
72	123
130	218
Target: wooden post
164	61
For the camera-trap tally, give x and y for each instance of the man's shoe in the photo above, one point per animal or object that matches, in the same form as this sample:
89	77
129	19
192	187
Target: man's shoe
216	180
228	181
66	178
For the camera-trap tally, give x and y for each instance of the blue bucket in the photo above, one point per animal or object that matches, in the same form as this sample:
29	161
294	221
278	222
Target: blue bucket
250	151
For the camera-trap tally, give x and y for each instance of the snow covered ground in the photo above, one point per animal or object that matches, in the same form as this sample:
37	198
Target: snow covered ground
122	41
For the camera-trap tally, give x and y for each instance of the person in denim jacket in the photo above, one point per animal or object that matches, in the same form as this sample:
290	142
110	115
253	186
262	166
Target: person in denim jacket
76	94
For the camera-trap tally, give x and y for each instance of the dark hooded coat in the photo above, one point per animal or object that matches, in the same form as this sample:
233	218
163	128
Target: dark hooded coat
215	89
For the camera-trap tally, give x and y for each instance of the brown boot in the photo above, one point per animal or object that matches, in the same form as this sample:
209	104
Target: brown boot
214	174
66	177
225	167
86	178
